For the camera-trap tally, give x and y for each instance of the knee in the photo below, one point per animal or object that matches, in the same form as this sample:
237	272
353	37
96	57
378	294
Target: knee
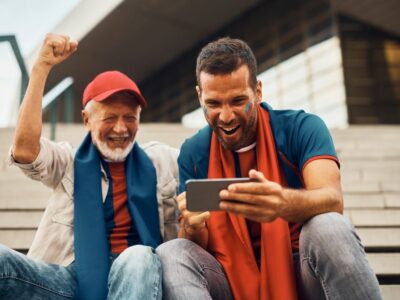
328	234
181	253
136	259
178	251
325	229
3	251
135	273
11	262
6	257
173	248
137	252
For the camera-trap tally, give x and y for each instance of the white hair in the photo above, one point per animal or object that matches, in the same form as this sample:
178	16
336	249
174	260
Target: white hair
111	155
89	107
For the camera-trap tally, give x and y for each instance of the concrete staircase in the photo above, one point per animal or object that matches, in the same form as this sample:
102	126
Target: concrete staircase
370	160
370	164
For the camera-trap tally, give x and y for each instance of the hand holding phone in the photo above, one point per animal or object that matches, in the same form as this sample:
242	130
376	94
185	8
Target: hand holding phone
203	194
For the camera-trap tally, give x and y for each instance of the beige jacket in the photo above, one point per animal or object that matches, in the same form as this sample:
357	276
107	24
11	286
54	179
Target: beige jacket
54	167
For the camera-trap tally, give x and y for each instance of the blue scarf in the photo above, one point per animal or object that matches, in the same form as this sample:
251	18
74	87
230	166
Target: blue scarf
92	248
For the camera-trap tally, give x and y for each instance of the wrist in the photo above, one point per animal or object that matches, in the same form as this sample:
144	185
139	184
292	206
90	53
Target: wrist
191	230
41	69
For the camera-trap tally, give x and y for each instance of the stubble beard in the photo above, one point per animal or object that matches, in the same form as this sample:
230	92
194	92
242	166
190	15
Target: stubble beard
249	135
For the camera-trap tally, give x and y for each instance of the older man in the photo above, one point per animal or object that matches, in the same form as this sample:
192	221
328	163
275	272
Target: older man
112	203
280	236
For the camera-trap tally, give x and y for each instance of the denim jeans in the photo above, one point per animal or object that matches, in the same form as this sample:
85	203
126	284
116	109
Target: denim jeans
331	264
134	274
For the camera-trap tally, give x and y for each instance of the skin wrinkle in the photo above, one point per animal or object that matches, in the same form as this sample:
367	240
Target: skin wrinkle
226	98
113	125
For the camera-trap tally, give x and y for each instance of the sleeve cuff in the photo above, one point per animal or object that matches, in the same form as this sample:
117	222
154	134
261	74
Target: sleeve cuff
331	157
35	165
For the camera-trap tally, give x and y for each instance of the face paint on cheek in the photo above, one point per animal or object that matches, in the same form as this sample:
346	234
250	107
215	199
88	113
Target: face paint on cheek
248	106
205	111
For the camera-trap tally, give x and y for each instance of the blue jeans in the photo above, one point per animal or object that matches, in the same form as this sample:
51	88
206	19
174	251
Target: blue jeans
331	264
134	274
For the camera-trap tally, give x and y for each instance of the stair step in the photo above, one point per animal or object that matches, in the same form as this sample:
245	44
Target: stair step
385	264
24	192
377	154
372	201
23	203
372	186
390	292
383	238
17	239
364	201
393	200
22	183
20	219
375	218
361	187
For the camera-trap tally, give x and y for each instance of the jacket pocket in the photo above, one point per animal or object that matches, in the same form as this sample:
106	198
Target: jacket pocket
64	213
68	187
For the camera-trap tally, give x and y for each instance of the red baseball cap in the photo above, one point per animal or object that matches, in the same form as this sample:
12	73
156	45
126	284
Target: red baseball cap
108	83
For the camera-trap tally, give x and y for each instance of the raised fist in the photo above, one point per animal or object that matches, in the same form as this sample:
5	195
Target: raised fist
55	49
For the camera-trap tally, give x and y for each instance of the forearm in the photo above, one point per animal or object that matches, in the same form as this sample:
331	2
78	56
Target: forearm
26	145
304	204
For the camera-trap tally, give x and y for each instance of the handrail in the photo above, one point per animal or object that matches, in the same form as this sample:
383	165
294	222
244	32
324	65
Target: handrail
51	99
24	73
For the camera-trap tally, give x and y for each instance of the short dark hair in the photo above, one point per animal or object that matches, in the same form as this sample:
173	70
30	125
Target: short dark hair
224	56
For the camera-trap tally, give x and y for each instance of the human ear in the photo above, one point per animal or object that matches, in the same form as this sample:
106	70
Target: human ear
85	119
198	90
258	92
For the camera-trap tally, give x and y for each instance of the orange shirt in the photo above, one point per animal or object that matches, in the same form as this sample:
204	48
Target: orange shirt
120	229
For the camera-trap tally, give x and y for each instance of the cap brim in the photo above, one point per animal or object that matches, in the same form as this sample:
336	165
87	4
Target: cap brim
105	95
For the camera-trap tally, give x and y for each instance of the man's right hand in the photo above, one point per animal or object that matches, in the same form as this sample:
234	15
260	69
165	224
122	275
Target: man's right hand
55	49
26	145
193	224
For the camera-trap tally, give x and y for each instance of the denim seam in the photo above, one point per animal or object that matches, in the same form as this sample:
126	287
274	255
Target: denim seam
38	285
318	275
156	282
203	277
204	267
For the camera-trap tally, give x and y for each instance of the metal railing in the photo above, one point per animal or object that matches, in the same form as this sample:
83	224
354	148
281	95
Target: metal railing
53	97
24	73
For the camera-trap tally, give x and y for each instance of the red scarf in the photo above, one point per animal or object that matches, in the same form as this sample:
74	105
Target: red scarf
229	239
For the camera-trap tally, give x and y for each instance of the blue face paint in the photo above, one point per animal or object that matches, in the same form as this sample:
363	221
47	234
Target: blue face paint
247	107
205	110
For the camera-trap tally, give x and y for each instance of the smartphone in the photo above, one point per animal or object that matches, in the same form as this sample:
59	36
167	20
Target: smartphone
203	194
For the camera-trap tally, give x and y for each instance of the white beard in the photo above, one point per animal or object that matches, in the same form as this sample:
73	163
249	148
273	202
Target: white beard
112	155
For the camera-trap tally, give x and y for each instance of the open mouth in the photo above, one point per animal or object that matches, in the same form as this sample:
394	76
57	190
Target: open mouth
118	139
230	130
